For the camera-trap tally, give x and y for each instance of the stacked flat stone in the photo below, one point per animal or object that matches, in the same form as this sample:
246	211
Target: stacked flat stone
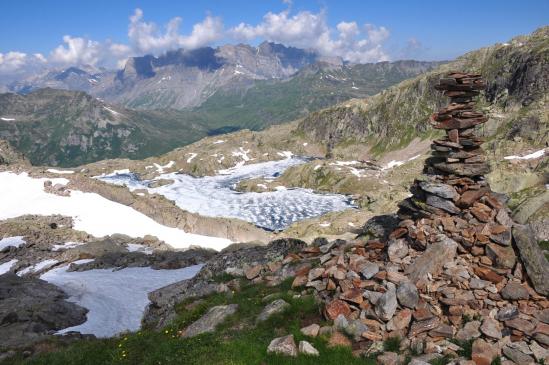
453	196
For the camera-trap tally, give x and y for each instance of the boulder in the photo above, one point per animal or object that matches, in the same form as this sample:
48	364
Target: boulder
311	330
278	306
502	256
442	190
209	321
407	294
387	304
306	348
515	291
433	259
482	352
532	257
283	346
31	309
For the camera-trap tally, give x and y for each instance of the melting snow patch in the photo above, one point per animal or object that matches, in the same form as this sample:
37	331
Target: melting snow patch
262	186
134	247
66	246
113	112
317	167
92	213
7	119
160	169
305	144
6	266
55	171
15	241
219	141
287	154
280	188
38	267
116	300
325	224
191	157
533	155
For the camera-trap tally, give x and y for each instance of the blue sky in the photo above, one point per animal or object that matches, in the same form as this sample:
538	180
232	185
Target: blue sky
360	31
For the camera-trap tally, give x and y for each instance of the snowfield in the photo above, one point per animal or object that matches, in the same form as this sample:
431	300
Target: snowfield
11	242
6	266
215	196
116	300
92	213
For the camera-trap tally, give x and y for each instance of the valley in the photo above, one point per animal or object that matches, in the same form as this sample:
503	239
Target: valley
277	179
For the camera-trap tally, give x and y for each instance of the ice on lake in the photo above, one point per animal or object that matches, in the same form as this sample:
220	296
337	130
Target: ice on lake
215	196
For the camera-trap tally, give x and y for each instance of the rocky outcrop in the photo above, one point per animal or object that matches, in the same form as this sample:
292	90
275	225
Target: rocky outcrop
31	309
234	261
535	262
209	321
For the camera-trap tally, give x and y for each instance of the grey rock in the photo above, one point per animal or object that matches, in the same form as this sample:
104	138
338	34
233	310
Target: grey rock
439	189
469	331
283	346
341	323
311	330
433	259
407	294
356	328
387	303
369	270
508	312
514	291
278	306
533	259
31	309
397	249
441	203
306	348
539	352
380	226
464	169
516	355
504	238
209	321
476	283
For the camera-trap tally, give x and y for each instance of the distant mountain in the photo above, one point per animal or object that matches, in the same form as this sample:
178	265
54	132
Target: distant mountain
517	75
61	127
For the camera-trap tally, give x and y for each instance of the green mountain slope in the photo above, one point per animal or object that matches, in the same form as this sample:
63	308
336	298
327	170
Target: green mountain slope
517	74
68	128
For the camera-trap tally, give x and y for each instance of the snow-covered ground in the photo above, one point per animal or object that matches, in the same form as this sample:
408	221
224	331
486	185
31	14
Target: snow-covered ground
38	267
116	300
55	171
11	242
6	266
92	213
530	156
215	195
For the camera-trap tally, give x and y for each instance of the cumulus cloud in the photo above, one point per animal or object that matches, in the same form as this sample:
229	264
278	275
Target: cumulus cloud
145	37
310	30
305	29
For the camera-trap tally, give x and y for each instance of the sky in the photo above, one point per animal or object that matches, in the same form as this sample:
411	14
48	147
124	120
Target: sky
35	34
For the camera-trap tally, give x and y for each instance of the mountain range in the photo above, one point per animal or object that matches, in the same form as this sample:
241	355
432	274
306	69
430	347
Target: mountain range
156	104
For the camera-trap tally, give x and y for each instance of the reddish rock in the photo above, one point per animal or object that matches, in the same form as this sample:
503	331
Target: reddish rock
487	274
352	295
253	272
470	196
299	281
337	339
483	353
335	308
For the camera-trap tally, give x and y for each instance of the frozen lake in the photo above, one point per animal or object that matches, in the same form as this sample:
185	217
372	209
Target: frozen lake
215	196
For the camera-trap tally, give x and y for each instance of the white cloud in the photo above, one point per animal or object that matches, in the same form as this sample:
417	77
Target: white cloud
145	37
304	29
310	30
77	51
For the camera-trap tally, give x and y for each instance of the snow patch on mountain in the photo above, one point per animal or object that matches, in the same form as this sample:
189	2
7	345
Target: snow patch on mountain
15	241
116	300
92	213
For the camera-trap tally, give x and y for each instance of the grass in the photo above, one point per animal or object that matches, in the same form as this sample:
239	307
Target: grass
237	341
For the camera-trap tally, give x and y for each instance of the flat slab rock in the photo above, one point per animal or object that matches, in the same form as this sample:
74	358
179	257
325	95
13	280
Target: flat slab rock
433	259
533	259
209	321
31	308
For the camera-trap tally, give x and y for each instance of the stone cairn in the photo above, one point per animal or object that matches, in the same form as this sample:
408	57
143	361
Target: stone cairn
445	275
